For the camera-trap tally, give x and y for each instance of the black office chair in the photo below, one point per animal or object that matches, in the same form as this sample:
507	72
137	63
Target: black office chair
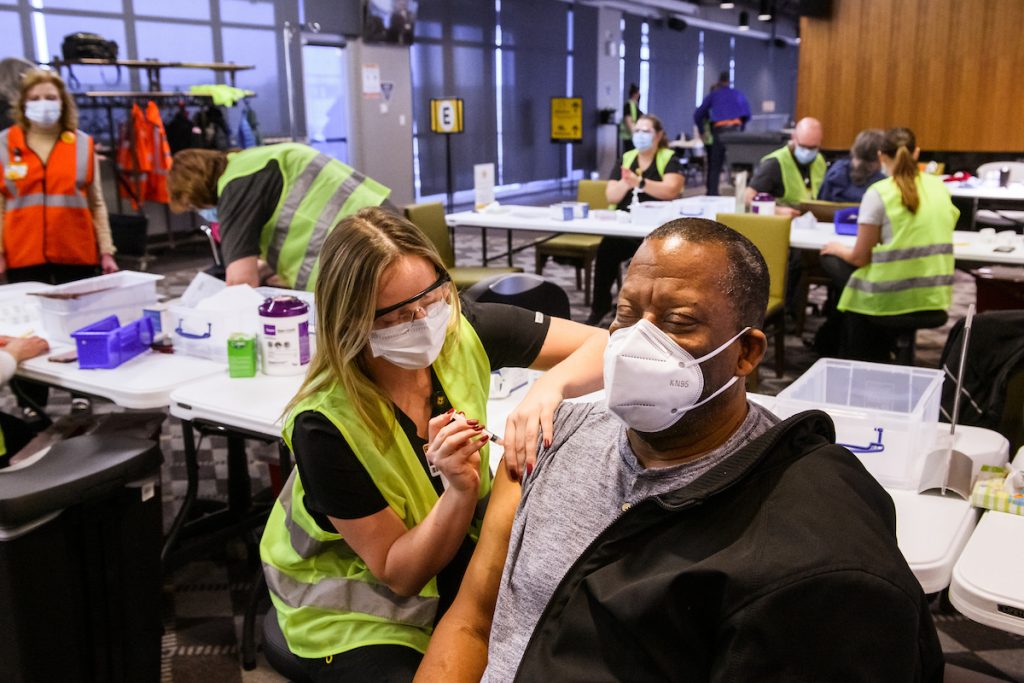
524	290
275	649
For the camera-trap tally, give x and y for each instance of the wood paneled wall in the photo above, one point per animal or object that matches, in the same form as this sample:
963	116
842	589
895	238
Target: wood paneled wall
952	70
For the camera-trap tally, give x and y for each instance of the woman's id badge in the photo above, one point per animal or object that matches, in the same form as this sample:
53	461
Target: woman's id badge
16	171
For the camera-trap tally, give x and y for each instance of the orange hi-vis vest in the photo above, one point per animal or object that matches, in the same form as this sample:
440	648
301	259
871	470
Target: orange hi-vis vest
47	217
135	157
156	181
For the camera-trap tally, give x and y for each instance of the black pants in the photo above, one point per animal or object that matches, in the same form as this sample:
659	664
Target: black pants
610	255
51	274
370	664
716	158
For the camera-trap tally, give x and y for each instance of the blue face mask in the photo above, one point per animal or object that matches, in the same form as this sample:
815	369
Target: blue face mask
209	215
804	155
643	140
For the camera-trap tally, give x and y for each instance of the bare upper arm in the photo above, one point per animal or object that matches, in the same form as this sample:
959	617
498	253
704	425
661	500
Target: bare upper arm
458	647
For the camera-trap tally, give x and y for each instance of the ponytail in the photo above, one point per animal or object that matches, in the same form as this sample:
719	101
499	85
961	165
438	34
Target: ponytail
899	145
904	174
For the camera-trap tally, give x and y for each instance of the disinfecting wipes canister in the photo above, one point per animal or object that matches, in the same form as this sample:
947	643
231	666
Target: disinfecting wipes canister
284	335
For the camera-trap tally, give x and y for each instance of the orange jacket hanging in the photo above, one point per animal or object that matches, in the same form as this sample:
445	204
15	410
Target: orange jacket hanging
47	217
135	156
156	182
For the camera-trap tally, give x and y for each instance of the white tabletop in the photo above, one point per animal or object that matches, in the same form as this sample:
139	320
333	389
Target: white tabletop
967	245
250	403
1013	192
989	575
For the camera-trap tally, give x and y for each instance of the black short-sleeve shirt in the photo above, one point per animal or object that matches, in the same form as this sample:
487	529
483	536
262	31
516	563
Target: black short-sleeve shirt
651	173
335	481
768	178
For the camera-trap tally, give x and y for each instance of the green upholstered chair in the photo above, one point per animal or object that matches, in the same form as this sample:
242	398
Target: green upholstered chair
580	250
429	218
770	234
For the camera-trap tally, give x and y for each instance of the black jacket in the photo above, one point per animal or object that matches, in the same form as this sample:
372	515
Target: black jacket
780	564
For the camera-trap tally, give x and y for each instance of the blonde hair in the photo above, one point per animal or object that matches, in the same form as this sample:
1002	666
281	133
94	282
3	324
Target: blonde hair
899	144
353	260
68	110
192	181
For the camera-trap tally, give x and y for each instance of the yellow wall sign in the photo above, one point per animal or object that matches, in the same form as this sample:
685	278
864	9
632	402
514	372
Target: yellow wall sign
566	119
446	115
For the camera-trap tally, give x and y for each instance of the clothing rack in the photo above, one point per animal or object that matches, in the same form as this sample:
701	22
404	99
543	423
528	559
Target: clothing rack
111	100
152	67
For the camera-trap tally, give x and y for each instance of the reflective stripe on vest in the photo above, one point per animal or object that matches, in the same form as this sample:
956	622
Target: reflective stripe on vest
914	271
60	200
793	180
661	159
317	192
340	593
82	161
323	591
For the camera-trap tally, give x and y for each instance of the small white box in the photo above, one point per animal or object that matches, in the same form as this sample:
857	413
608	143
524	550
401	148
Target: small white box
886	414
124	294
652	213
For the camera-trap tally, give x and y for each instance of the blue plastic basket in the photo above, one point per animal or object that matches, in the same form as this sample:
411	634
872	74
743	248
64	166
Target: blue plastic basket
106	344
846	221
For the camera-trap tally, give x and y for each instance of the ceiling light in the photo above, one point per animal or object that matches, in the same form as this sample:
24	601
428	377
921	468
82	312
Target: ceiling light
727	5
744	21
766	11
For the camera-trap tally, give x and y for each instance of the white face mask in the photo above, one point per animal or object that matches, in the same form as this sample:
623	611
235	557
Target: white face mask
415	344
650	381
43	112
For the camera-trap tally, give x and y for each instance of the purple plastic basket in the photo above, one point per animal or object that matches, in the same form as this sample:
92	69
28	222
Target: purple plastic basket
106	344
846	221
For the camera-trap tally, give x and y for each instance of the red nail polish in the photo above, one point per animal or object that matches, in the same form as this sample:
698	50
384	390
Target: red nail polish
485	437
473	422
529	469
478	428
450	411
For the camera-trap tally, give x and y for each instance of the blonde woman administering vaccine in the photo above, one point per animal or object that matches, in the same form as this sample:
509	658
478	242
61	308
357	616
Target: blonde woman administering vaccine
367	544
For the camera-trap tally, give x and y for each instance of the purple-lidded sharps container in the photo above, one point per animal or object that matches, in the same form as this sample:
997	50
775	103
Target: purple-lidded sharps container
284	335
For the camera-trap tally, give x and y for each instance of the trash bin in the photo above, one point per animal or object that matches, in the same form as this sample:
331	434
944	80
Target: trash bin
80	537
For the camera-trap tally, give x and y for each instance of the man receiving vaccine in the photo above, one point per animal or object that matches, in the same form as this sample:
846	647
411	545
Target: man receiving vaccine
678	532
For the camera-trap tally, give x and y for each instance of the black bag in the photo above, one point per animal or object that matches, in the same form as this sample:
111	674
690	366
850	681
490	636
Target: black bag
87	46
214	128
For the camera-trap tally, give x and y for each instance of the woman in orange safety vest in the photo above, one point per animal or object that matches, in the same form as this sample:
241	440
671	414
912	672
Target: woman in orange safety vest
53	221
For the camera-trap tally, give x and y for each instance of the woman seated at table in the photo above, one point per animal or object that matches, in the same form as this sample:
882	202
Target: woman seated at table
847	179
900	270
366	547
652	171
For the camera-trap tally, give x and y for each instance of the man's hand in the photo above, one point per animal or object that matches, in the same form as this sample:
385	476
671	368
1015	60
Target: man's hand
23	348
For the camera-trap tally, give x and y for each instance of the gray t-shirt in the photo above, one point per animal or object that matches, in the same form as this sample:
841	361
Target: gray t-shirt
581	485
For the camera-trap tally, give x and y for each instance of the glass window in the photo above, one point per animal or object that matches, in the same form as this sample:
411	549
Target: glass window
181	9
673	78
259	47
10	29
259	12
90	77
326	86
116	6
179	43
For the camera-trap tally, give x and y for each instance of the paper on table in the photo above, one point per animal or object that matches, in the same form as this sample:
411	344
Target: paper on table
235	298
201	287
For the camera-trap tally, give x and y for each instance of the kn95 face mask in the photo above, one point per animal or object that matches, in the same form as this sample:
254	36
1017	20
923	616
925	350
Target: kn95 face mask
650	381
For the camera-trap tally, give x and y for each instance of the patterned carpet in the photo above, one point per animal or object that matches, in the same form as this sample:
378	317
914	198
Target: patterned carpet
204	601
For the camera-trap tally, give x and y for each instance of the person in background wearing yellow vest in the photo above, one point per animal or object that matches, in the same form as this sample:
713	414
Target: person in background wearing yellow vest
793	173
902	262
367	544
274	204
15	433
54	226
651	169
630	115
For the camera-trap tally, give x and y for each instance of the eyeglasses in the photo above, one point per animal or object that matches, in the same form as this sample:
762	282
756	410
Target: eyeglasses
428	296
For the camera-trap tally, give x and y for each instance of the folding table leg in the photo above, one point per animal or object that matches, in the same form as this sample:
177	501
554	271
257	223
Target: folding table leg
191	490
